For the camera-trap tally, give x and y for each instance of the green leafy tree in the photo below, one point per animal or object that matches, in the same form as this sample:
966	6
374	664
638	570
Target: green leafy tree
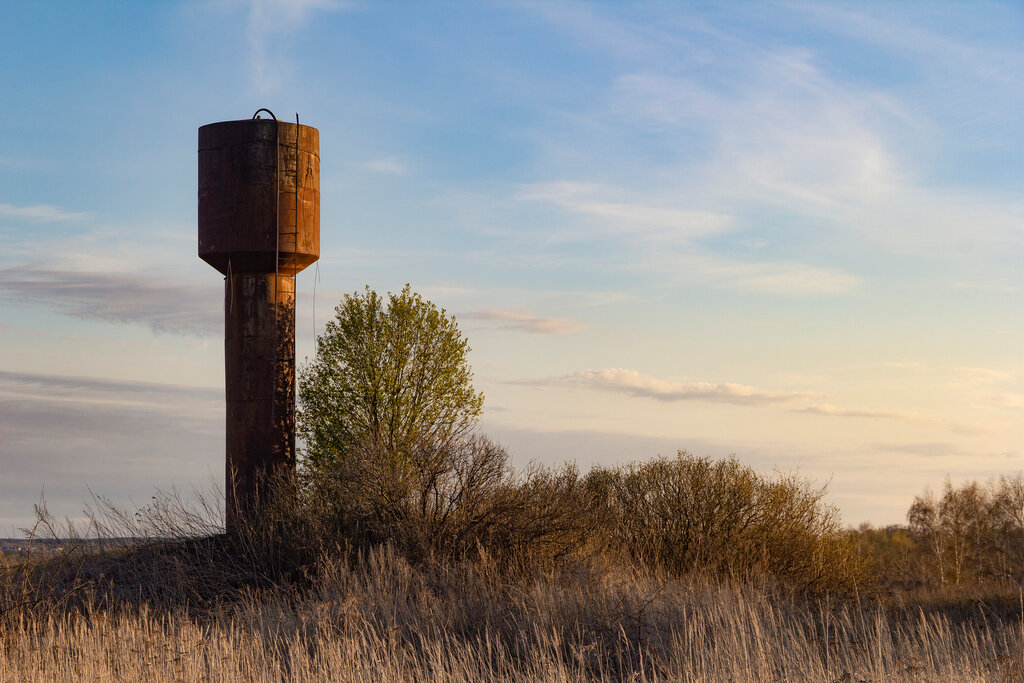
389	379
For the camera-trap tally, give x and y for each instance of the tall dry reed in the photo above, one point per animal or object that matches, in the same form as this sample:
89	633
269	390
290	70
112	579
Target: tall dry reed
378	618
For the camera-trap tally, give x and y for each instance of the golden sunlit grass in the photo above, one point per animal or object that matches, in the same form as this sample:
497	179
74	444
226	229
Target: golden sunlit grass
378	618
678	570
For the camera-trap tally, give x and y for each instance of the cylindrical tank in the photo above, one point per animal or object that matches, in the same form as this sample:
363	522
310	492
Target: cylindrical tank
259	225
248	171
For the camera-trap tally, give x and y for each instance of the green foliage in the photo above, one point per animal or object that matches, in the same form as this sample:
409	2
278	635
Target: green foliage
393	379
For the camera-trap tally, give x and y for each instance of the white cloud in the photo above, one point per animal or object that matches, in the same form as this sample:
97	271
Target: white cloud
778	277
745	127
655	221
654	236
966	377
525	322
269	22
789	136
952	424
979	60
41	213
778	127
1002	401
634	383
835	411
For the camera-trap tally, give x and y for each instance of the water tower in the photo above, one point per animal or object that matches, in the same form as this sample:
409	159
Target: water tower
259	225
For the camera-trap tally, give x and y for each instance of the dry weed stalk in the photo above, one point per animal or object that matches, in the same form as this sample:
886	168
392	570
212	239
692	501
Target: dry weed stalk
481	576
381	618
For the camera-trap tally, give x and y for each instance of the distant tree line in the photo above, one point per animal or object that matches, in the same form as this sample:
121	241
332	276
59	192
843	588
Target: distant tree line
970	535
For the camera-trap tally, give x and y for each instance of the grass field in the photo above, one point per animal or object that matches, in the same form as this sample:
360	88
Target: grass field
680	569
376	618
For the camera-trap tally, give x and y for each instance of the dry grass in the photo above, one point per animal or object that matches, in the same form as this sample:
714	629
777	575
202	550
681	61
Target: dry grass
377	618
297	595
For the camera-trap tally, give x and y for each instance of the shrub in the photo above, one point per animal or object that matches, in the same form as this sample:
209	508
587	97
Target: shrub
691	514
891	555
451	499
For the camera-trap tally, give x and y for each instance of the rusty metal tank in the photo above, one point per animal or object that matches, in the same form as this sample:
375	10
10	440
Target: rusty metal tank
259	196
259	225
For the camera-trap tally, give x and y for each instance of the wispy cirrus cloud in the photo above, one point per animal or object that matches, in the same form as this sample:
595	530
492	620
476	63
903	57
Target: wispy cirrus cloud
269	22
789	135
836	411
779	128
658	222
979	59
765	277
163	305
792	136
40	213
937	449
66	388
656	237
967	377
633	383
636	384
1004	400
957	425
514	320
118	438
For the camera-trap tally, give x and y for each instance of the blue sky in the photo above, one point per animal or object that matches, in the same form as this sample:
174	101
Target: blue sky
790	231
